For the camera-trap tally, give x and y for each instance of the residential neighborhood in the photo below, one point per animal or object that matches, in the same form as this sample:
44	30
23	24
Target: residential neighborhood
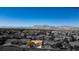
39	39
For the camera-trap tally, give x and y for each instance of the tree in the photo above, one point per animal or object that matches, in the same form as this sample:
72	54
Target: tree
2	40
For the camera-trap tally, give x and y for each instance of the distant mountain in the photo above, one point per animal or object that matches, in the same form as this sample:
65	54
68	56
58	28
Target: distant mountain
45	27
42	27
54	27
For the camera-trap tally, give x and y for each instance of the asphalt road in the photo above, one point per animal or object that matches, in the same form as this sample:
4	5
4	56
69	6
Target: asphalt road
27	49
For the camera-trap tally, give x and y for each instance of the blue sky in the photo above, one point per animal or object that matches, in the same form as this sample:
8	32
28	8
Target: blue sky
29	16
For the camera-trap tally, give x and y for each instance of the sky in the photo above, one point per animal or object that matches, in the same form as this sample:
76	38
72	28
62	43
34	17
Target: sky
29	16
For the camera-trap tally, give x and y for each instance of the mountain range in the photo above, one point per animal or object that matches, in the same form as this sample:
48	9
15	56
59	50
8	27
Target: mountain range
45	27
